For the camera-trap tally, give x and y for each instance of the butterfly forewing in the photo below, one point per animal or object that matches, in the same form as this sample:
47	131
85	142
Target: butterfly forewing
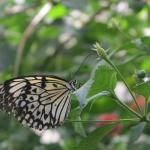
39	102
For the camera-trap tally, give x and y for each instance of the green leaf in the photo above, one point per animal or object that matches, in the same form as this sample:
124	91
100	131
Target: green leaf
58	11
113	81
103	93
104	80
146	63
143	89
90	142
136	131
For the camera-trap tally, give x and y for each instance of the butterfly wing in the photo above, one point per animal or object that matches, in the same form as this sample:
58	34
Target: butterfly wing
38	102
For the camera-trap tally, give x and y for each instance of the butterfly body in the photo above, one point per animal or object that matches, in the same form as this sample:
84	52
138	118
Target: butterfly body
39	102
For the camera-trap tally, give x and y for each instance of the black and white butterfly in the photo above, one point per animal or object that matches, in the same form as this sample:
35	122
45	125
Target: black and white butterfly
39	102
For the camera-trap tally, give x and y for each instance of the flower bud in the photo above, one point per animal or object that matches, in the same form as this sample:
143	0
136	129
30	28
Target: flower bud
100	51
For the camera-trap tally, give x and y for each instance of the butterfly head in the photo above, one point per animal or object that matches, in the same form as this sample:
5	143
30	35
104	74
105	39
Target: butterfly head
73	84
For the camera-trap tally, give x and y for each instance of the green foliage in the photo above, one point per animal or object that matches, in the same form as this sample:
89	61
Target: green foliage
93	87
143	89
105	75
136	131
57	43
58	12
90	142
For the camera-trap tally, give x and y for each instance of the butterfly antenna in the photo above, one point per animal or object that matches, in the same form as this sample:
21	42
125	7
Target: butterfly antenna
82	63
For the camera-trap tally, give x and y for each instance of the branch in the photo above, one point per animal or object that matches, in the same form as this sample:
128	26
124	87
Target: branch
110	121
29	30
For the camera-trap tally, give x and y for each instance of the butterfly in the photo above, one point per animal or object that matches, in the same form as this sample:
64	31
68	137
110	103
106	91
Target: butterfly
38	102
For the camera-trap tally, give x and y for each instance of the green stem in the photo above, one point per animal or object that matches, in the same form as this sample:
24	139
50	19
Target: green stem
102	53
146	106
116	69
104	93
126	106
119	120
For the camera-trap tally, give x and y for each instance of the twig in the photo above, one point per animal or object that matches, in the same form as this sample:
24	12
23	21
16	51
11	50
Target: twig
119	120
29	30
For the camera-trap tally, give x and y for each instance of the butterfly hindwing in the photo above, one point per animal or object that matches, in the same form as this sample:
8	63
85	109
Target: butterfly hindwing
38	102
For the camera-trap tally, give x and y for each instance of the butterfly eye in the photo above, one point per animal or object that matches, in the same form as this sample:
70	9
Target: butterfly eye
73	85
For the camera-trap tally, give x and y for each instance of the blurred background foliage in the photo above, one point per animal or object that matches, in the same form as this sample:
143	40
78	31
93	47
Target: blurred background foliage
55	37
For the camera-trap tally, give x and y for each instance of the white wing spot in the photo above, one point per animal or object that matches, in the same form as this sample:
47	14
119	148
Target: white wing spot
31	120
35	124
23	103
19	80
13	83
27	116
19	86
17	93
24	122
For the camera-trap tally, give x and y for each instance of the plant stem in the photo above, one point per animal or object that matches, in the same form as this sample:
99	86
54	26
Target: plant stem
119	120
116	69
102	53
104	93
126	106
29	30
142	118
146	106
